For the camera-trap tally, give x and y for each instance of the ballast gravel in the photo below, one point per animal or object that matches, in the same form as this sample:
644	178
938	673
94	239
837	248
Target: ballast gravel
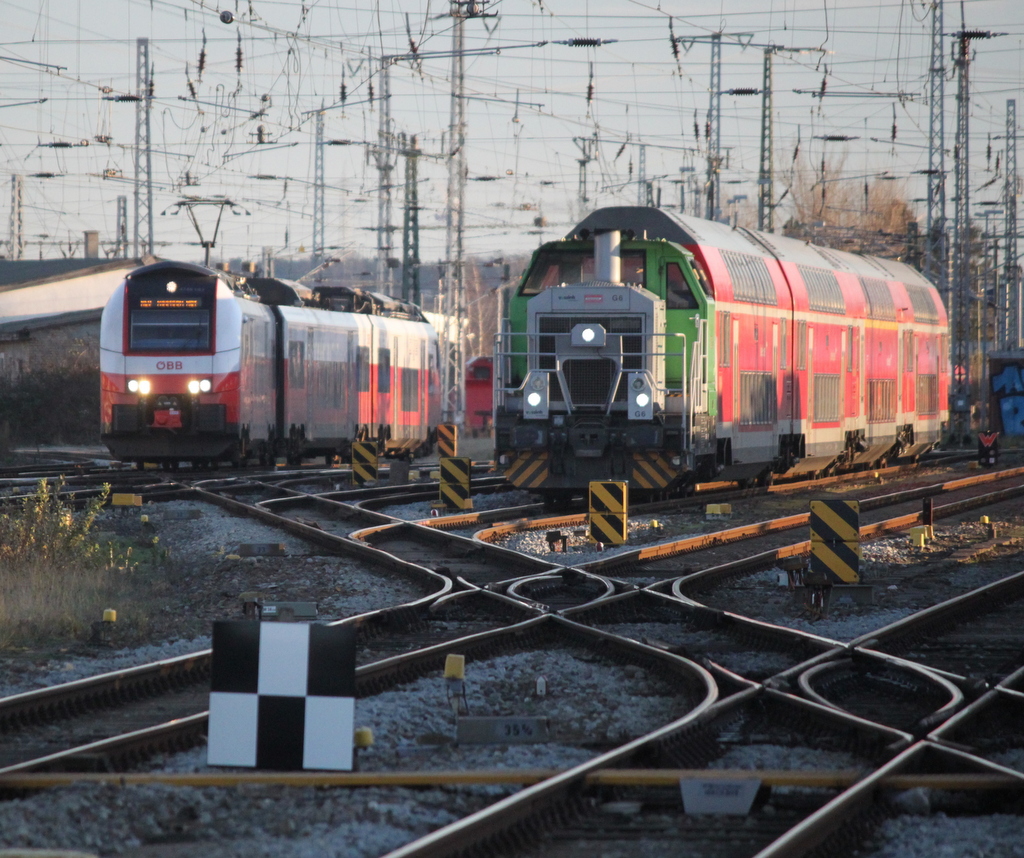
239	822
421	510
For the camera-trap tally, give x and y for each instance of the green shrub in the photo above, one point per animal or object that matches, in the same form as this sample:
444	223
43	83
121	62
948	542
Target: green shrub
55	579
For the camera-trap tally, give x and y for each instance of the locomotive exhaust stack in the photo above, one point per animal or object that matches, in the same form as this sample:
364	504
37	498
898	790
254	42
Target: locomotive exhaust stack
608	255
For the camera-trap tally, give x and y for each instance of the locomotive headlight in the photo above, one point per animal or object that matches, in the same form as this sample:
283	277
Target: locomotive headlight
138	385
205	385
133	385
640	397
535	406
588	334
197	385
193	387
144	386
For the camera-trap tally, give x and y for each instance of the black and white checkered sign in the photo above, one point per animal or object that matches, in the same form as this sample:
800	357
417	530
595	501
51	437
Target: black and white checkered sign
282	696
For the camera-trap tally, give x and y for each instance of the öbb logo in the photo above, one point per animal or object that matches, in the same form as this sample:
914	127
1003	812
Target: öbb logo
170	364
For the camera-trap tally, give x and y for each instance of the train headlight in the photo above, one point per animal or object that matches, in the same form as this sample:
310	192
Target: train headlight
139	385
589	334
536	405
193	387
133	385
205	385
640	397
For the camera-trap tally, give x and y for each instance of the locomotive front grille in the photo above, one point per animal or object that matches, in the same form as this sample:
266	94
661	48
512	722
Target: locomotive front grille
589	380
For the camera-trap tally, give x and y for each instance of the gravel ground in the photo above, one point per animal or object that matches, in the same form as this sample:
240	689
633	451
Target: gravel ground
941	836
420	511
158	821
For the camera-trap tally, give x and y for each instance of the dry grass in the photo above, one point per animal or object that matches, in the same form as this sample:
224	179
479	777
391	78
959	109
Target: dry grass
55	578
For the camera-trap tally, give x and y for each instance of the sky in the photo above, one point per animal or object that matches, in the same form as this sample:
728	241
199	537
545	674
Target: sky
235	105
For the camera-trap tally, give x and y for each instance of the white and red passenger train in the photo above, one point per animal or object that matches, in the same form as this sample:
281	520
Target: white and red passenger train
202	366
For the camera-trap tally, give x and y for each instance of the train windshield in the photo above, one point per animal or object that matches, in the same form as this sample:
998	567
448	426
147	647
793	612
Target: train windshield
170	316
554	267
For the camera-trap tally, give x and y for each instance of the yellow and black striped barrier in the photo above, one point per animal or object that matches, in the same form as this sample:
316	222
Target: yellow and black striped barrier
448	440
835	540
455	473
364	462
609	512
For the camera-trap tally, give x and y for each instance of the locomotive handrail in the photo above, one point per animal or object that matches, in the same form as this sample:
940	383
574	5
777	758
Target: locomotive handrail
503	355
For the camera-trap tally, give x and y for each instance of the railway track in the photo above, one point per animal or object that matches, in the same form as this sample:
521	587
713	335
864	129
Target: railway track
902	682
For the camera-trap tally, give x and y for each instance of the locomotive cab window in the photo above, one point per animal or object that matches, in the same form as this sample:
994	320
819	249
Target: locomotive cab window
677	291
165	315
554	267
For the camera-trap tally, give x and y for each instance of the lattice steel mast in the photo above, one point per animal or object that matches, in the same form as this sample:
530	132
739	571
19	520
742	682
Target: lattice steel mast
319	190
1012	331
17	222
936	262
714	204
411	224
143	242
965	388
453	299
384	154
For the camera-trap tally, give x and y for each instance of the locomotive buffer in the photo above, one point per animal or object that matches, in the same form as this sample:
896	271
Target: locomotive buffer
835	541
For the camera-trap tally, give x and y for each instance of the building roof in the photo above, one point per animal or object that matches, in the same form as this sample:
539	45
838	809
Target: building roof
9	330
18	273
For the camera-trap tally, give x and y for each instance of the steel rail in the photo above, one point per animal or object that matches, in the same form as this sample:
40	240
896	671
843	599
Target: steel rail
921	677
384	674
842	823
531	810
764	560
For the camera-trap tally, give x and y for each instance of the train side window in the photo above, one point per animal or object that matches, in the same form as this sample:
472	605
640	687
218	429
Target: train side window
801	345
296	364
363	368
410	389
784	344
384	371
677	290
851	349
908	351
725	339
